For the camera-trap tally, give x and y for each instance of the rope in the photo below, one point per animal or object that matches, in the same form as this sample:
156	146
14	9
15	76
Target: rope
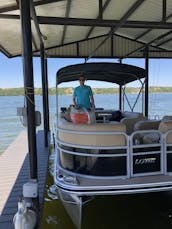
29	91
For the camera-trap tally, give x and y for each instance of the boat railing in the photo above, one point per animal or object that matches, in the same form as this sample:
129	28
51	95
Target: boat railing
147	153
141	159
168	152
95	152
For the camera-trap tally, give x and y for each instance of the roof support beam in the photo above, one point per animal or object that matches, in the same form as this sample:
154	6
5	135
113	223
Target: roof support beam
57	46
44	2
4	51
143	34
95	22
10	16
100	9
168	39
67	15
9	8
164	10
103	23
116	27
147	44
34	17
165	41
73	42
103	9
164	19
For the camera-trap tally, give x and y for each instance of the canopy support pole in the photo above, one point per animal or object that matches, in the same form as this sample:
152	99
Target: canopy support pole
120	97
123	94
44	95
120	92
29	84
146	80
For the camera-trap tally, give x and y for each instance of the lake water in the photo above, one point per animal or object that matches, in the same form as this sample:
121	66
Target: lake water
10	124
148	211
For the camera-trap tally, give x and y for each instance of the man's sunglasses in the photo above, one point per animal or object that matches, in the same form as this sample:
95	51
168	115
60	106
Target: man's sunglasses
81	79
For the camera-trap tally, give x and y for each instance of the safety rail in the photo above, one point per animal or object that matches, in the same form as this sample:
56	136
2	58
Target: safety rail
140	159
168	152
90	154
146	159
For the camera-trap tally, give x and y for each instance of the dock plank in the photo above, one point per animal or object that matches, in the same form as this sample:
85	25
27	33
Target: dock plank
14	172
10	162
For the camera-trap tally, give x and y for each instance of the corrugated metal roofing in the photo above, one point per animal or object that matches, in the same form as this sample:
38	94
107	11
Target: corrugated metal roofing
74	28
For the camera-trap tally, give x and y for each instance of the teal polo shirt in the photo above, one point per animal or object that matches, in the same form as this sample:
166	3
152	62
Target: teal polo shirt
82	94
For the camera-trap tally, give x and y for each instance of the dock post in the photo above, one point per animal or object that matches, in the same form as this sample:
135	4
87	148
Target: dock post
47	98
44	94
29	84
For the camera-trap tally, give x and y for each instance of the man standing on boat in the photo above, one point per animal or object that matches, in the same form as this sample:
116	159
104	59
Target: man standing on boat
83	95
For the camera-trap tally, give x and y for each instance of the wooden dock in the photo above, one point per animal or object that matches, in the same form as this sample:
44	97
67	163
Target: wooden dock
14	172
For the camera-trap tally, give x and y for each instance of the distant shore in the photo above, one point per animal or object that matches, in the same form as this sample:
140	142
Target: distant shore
69	91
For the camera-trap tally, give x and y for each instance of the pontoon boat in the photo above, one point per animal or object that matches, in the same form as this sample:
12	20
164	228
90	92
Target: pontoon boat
113	155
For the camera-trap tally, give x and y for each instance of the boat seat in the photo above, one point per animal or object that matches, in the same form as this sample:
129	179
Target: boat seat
74	163
147	138
130	114
147	125
78	138
167	118
130	122
164	127
150	138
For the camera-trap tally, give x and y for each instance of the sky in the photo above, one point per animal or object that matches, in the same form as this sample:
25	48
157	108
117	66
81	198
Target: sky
11	72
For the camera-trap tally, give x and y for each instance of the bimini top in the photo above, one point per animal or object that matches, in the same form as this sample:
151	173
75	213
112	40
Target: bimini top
120	74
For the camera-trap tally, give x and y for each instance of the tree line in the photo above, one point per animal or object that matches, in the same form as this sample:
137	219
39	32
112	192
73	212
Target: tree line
69	91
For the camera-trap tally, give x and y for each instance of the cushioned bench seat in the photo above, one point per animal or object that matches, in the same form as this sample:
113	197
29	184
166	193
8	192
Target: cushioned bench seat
92	139
147	125
130	123
75	163
164	127
150	137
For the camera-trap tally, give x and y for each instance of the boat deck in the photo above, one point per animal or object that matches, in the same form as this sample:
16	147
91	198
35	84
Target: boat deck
14	172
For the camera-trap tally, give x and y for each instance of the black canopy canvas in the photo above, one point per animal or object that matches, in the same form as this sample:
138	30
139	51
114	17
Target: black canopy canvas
120	74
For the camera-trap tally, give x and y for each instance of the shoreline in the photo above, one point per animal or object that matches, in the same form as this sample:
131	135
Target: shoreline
96	91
